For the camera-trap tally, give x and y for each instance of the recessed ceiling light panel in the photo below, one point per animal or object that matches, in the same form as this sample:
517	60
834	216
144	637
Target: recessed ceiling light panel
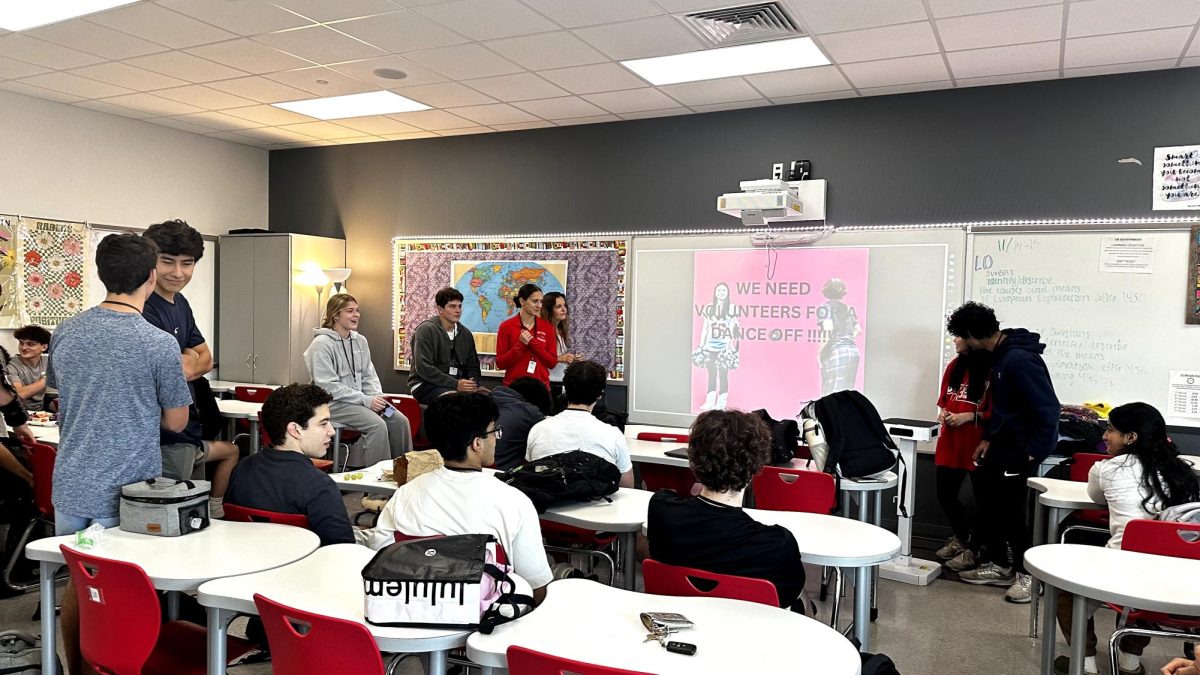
25	14
710	64
353	105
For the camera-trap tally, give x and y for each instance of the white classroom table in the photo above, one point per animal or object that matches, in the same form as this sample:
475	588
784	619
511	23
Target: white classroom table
177	564
241	410
329	583
731	636
45	434
1056	499
1097	574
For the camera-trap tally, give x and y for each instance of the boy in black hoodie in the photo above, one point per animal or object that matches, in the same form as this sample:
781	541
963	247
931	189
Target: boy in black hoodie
1021	432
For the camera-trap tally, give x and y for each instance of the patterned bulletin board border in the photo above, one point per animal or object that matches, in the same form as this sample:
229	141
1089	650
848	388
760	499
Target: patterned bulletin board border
596	290
10	308
52	279
1193	287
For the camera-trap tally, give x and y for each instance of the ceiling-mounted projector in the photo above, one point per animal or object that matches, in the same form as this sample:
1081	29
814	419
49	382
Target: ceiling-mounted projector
771	200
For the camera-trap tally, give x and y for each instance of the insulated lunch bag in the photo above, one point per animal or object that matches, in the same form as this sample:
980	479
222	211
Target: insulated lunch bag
165	507
441	582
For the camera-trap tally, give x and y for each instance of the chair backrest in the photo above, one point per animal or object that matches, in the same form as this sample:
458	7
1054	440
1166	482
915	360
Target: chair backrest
252	394
302	642
262	431
410	408
119	616
1162	537
245	514
664	579
1081	464
663	437
41	461
778	489
528	662
677	479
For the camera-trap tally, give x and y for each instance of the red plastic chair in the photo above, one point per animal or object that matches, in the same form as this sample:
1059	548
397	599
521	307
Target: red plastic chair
252	394
528	662
411	409
778	489
120	624
1091	520
303	643
568	539
41	464
663	437
245	514
677	479
664	579
322	464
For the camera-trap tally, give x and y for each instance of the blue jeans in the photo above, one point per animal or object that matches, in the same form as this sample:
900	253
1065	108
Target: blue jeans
65	523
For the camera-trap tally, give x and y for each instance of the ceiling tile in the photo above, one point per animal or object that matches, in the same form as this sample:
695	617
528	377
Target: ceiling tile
95	39
576	13
944	8
320	81
411	136
465	132
445	95
1005	60
520	126
1119	68
182	125
75	85
216	120
681	6
908	70
249	56
811	98
1007	79
1036	24
277	135
799	82
519	87
664	112
632	100
432	120
488	19
38	52
359	139
708	92
308	144
378	125
888	42
643	38
1098	17
324	130
400	32
38	92
11	69
1126	47
110	109
461	62
829	16
560	108
267	114
131	77
324	10
905	88
496	113
185	67
159	24
244	17
364	71
593	79
204	97
234	137
152	104
591	119
733	105
558	49
320	44
1191	61
261	89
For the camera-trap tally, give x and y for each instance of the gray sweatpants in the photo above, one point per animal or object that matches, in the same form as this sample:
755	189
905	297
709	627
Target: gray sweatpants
383	438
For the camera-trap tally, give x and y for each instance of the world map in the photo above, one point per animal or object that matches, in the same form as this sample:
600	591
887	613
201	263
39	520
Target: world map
489	288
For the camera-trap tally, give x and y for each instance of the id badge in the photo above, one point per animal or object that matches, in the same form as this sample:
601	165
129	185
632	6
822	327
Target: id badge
453	371
532	367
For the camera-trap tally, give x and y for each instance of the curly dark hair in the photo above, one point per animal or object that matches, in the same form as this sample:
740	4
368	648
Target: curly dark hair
34	333
727	447
176	237
973	320
293	403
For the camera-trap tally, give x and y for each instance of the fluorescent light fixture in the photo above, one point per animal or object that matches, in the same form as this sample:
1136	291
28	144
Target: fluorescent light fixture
710	64
353	105
24	14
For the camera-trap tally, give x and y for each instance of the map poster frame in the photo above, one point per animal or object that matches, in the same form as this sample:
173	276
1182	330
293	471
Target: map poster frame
485	340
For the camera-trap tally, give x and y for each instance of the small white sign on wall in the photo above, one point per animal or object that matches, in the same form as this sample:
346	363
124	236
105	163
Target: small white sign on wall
1127	254
1183	396
1177	178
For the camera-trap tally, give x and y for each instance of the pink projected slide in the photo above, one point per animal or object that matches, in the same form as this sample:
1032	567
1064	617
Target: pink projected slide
780	342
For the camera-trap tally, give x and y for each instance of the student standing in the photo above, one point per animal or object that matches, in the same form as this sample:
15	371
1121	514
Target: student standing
720	346
1021	432
27	372
839	357
525	343
119	381
339	361
556	311
444	359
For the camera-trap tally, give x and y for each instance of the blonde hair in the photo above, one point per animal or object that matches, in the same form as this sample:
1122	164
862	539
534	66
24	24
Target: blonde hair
335	305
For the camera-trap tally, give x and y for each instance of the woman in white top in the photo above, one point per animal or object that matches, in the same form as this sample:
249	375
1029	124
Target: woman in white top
1144	476
556	311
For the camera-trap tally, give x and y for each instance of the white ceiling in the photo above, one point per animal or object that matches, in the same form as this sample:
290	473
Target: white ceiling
213	67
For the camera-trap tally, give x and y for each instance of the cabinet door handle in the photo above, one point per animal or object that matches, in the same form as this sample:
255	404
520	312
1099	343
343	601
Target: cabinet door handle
248	356
256	360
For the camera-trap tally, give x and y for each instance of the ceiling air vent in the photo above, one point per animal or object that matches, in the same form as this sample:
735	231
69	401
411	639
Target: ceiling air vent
742	24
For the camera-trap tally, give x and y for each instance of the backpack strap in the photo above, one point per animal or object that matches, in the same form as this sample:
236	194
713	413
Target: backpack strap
519	603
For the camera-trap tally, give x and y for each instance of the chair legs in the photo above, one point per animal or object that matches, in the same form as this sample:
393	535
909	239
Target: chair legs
1115	640
612	565
839	588
17	553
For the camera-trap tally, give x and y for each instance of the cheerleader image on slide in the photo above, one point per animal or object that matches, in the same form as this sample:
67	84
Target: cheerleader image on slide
718	348
839	356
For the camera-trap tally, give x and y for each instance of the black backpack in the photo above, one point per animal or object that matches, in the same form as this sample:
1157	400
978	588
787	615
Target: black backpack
878	664
858	443
785	436
568	476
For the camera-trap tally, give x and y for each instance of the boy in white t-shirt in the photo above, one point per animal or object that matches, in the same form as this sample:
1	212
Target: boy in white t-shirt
461	498
576	428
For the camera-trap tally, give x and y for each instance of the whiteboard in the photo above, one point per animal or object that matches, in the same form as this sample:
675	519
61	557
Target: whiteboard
915	279
1110	336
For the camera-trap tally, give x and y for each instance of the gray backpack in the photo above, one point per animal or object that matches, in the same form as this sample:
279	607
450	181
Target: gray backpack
20	653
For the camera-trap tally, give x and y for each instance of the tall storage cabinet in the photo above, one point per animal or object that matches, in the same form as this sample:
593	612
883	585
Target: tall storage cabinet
266	316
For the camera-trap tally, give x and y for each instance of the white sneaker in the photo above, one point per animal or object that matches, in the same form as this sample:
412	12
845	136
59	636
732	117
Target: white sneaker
1019	593
988	574
710	401
721	401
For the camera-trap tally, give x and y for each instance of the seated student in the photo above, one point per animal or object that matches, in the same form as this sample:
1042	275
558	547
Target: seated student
27	372
710	532
282	478
339	361
576	428
1144	476
460	498
522	404
440	366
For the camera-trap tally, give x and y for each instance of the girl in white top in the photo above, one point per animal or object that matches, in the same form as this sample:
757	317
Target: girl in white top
556	311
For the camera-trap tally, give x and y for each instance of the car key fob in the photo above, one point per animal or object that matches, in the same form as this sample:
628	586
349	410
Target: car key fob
685	648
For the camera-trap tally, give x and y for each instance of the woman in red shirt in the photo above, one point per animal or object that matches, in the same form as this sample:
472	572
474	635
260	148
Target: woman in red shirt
964	407
526	345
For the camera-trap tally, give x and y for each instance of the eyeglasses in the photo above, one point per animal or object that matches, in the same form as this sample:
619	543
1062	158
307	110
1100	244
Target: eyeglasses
497	429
